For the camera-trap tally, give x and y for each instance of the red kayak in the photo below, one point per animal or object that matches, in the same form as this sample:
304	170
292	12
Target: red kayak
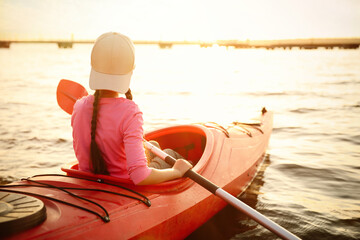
80	205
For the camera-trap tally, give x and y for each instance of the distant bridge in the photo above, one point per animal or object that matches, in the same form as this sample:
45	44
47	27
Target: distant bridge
328	43
70	43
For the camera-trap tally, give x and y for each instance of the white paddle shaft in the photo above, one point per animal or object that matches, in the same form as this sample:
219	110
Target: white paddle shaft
258	217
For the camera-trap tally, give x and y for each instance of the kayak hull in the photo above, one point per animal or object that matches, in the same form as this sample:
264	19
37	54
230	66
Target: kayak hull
229	158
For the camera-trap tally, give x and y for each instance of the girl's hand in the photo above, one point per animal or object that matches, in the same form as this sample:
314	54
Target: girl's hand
181	166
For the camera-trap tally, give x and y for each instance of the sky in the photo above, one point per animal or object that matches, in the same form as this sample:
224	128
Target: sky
204	20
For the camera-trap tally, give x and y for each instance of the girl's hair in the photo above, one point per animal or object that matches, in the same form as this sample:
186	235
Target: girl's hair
129	95
98	164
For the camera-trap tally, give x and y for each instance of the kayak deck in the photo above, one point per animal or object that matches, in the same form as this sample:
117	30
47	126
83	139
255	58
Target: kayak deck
175	205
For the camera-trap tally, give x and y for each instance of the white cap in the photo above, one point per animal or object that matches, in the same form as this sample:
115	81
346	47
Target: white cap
112	63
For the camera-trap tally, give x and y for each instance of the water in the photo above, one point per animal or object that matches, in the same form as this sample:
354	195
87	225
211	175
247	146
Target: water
310	182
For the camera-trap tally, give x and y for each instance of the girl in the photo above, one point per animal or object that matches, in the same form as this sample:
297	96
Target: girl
107	129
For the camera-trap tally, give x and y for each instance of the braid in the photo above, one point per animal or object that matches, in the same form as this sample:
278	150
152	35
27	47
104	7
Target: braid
129	95
98	164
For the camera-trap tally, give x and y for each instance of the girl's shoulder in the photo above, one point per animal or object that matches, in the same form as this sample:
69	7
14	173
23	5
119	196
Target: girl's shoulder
111	104
84	102
128	105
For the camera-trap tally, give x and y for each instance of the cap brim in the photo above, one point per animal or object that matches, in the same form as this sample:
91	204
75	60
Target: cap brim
103	81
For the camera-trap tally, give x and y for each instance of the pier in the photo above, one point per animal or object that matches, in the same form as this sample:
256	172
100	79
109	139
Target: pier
327	43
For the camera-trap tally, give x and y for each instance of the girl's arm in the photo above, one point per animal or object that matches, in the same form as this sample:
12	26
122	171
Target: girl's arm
180	167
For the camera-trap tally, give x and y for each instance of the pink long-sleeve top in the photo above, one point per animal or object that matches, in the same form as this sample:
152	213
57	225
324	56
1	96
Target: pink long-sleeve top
119	135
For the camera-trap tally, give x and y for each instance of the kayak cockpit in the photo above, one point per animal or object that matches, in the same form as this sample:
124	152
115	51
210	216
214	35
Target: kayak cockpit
188	141
193	142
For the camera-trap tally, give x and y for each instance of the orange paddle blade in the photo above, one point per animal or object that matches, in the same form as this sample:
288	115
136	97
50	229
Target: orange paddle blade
67	93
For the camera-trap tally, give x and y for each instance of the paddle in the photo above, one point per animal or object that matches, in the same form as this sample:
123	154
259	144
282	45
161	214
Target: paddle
67	94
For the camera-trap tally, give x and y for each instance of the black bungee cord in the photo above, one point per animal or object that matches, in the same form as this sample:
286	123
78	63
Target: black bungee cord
146	201
105	218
